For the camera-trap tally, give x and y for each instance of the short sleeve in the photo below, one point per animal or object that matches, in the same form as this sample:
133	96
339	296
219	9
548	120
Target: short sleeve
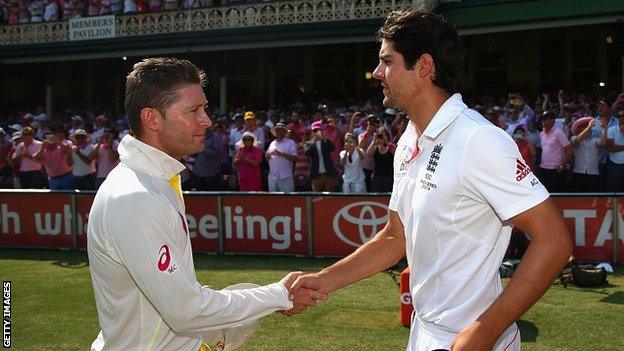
499	177
293	149
611	133
563	139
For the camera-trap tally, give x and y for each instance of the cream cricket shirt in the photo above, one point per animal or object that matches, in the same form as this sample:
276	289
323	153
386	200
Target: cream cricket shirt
455	200
146	291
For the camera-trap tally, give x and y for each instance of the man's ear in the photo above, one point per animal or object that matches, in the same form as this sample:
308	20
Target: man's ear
425	66
151	119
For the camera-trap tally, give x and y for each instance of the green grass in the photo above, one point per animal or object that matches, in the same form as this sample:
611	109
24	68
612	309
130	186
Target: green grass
53	307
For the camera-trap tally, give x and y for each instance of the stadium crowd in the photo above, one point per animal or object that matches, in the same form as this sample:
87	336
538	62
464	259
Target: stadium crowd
33	11
573	142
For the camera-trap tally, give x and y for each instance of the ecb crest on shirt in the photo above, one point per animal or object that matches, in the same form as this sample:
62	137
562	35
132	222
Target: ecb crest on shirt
428	182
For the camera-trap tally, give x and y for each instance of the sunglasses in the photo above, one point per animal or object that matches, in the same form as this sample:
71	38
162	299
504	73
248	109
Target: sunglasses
247	139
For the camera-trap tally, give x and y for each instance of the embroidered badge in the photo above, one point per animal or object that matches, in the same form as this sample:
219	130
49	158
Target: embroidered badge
427	183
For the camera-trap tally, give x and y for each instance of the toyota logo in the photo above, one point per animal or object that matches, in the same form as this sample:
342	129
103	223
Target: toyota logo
361	214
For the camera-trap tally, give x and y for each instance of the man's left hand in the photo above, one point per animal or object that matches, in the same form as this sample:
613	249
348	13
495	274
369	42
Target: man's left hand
473	338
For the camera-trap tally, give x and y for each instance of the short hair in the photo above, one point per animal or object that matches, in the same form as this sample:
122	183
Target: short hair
155	83
413	33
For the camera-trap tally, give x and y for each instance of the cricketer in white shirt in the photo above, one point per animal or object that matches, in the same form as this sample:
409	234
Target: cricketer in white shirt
454	200
141	264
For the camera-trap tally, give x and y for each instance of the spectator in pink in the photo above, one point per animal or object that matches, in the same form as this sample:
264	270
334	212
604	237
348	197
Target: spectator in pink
556	153
247	161
281	155
29	165
83	161
56	156
107	157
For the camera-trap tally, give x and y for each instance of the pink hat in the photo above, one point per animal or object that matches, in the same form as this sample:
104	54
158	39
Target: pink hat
580	124
317	125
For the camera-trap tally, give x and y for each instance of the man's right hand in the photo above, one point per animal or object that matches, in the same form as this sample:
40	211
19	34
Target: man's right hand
303	297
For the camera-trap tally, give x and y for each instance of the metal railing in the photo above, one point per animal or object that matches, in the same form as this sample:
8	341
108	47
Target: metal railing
225	17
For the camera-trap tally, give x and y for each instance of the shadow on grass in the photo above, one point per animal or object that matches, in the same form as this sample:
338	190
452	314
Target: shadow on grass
78	259
528	330
61	258
615	298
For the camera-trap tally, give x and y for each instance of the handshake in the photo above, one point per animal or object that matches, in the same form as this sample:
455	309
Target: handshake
304	290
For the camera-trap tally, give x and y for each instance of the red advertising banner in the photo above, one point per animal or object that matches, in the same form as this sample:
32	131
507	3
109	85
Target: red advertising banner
590	222
278	224
265	224
27	221
342	224
83	206
203	222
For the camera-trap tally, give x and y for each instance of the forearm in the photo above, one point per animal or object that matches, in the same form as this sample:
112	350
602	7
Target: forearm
616	148
381	252
539	267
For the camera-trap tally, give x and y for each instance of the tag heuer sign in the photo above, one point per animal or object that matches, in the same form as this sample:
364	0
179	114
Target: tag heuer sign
88	28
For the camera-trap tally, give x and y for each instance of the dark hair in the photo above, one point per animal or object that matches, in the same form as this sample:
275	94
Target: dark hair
154	82
414	33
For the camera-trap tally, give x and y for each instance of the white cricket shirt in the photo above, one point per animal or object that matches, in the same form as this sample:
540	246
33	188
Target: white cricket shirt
455	200
142	270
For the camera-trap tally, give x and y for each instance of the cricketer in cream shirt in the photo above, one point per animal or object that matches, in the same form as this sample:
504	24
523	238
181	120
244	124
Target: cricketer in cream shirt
454	200
142	270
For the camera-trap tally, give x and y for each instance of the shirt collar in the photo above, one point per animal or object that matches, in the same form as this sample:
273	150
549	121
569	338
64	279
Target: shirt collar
137	154
447	113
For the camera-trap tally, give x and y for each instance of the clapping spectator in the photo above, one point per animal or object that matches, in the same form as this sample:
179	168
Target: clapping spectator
56	156
323	174
106	156
281	155
353	179
365	139
247	161
382	152
615	145
207	168
29	165
83	161
605	117
585	174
